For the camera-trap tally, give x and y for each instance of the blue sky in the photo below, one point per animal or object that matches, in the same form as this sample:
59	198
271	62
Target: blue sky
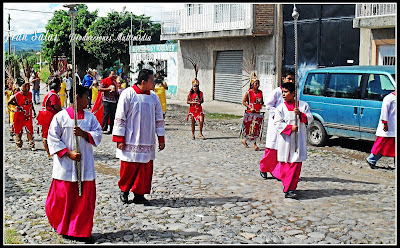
23	22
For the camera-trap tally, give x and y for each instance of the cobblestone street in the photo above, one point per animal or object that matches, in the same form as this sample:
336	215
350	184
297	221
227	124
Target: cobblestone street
210	192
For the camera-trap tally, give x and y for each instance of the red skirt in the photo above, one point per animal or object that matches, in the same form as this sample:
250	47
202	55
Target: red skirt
269	163
290	174
385	146
136	177
69	213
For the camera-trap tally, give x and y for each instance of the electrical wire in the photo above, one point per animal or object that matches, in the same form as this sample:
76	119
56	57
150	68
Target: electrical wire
45	12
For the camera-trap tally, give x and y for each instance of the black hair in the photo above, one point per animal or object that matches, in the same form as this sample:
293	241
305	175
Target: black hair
289	86
287	73
192	91
80	91
144	75
54	83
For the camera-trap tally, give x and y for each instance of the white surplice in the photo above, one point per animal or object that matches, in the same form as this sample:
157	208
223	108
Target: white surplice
138	119
61	135
388	113
273	101
285	143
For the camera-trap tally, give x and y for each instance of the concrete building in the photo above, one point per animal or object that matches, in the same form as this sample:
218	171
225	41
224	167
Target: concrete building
164	53
377	24
219	38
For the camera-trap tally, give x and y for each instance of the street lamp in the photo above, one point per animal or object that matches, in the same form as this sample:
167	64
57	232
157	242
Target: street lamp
72	12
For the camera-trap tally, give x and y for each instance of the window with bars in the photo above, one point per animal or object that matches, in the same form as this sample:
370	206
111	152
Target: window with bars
389	60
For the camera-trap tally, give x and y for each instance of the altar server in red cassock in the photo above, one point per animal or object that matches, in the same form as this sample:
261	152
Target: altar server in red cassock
138	119
386	132
68	213
291	159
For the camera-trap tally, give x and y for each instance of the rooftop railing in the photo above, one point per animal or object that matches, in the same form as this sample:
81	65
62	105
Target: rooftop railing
207	18
375	9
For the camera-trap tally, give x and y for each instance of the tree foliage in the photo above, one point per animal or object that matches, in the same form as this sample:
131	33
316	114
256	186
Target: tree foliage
115	24
89	52
60	25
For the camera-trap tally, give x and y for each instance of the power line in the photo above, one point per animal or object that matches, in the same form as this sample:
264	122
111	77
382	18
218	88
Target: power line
45	12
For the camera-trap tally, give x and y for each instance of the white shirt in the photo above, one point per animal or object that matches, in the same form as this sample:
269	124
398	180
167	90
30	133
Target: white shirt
138	118
286	144
388	113
68	83
273	101
61	136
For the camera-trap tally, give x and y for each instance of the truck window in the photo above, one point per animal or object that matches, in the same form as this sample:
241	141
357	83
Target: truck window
314	84
344	85
378	87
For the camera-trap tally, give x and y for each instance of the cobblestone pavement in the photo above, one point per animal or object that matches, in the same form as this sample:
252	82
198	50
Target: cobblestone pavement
210	192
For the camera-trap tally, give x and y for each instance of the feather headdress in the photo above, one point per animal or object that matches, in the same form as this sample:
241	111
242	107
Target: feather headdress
196	71
249	67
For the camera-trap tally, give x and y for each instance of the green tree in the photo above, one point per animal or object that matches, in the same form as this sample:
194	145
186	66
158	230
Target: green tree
113	25
60	25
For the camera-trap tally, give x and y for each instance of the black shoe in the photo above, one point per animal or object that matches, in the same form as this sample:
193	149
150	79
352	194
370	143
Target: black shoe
274	177
290	194
264	175
371	165
139	199
124	196
87	240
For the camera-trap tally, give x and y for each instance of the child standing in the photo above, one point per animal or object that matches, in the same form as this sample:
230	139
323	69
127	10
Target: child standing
253	100
24	112
284	121
138	120
70	214
195	99
95	90
385	144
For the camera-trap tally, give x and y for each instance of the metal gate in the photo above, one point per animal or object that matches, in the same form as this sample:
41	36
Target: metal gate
228	76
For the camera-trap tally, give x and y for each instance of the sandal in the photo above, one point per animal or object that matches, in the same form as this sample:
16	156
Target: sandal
193	137
244	143
256	148
201	136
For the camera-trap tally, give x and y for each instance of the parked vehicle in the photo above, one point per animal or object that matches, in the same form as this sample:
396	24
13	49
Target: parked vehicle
346	100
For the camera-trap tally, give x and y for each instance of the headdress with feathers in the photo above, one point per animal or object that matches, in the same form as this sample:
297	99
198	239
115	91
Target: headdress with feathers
196	71
249	67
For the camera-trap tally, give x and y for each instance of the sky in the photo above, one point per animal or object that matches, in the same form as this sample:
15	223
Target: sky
27	22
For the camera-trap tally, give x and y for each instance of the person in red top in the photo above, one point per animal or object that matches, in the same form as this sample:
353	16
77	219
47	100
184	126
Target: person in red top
51	106
253	100
195	99
108	87
23	115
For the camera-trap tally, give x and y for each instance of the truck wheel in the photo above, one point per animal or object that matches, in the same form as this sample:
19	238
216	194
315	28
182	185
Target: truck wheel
316	134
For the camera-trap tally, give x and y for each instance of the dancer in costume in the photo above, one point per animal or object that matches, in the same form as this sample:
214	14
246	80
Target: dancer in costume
24	112
252	119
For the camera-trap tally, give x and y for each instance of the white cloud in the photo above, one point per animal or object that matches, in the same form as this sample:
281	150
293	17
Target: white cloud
23	22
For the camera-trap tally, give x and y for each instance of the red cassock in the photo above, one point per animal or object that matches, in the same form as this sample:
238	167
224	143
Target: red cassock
47	113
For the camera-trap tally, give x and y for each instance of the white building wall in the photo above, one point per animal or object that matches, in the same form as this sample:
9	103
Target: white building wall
203	52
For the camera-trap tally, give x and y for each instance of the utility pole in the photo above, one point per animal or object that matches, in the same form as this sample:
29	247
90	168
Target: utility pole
9	40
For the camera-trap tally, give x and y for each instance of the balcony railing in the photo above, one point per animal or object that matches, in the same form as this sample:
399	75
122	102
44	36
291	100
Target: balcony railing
375	9
207	18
